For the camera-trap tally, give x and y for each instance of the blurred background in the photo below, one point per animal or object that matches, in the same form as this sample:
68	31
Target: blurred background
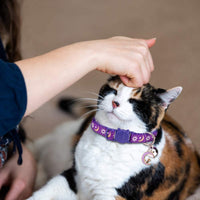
49	24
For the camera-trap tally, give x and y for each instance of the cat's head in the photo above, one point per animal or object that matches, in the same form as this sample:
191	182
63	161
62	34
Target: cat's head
137	109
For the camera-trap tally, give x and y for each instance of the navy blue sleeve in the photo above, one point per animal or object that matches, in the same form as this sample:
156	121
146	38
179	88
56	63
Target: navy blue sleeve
13	96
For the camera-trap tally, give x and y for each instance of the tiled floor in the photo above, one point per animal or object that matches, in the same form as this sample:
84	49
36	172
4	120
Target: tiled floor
49	24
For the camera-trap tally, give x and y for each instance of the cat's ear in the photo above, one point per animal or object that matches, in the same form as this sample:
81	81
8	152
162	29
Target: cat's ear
169	96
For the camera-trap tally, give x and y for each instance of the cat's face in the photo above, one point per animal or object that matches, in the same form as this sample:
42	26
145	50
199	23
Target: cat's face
137	109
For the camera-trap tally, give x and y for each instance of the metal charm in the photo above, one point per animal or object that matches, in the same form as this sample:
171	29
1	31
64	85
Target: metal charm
151	153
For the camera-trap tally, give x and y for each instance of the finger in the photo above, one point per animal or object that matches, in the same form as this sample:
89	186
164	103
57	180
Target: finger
136	80
144	55
131	82
150	60
24	195
4	177
145	70
151	42
147	64
145	73
16	190
124	79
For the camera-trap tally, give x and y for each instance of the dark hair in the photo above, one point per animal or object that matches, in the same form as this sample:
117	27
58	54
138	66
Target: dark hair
10	27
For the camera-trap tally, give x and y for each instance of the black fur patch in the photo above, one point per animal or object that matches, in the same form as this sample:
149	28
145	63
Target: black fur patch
131	190
82	129
105	90
114	78
142	109
84	125
178	145
187	168
179	149
160	91
176	193
159	136
173	126
172	179
198	158
69	175
148	107
153	120
156	179
66	105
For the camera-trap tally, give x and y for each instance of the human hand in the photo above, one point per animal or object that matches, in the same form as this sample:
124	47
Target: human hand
20	178
126	57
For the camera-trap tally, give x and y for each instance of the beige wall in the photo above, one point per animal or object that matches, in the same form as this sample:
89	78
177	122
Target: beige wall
48	24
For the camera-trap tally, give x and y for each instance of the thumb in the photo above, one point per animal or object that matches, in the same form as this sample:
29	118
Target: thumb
151	42
4	177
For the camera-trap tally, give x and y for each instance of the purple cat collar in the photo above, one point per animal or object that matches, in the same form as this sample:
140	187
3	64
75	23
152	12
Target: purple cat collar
120	135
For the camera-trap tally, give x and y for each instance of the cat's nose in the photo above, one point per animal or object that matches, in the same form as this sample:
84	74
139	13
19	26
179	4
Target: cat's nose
115	104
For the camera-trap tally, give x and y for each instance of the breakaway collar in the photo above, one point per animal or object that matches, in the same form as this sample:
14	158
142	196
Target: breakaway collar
122	136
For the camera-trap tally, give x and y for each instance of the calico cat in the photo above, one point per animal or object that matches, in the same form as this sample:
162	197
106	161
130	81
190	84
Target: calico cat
129	150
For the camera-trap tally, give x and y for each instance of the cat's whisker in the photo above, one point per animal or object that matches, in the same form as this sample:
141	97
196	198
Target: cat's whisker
90	99
94	110
101	106
123	113
96	94
89	106
79	100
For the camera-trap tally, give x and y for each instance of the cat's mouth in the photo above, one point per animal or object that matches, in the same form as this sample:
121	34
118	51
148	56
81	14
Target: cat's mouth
113	116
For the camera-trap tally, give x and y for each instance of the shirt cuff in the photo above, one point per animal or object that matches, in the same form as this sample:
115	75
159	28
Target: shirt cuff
13	96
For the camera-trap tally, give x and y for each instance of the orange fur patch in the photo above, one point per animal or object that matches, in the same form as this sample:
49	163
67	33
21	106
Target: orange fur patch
115	84
136	93
119	198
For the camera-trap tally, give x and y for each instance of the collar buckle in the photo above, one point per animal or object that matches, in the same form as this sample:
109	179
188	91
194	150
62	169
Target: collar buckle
122	136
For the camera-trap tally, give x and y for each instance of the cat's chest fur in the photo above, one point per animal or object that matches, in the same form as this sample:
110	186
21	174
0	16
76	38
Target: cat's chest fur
103	165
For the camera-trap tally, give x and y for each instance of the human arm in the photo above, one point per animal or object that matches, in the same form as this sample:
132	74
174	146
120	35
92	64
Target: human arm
49	74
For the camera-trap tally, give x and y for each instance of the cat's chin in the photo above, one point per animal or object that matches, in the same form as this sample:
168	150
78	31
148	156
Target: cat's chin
108	119
113	118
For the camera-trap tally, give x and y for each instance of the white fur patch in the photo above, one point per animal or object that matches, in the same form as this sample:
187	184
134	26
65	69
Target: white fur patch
56	189
104	165
53	151
189	143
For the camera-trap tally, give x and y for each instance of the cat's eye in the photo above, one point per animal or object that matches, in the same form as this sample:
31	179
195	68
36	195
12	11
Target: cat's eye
135	101
106	89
